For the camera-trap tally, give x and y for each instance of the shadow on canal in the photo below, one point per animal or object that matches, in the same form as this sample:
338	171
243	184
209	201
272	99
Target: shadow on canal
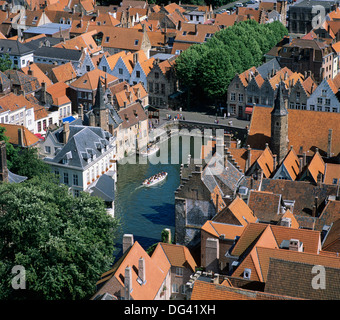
164	215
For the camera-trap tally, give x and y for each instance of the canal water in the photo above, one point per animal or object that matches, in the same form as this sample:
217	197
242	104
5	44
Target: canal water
146	211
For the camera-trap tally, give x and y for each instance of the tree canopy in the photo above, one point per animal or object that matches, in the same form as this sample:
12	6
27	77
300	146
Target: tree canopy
208	68
64	243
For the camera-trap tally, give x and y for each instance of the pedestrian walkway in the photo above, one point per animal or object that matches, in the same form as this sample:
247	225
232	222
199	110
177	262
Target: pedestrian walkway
201	117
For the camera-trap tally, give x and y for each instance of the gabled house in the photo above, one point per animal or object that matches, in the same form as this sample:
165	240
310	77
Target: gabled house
80	156
136	275
315	170
289	168
20	136
325	97
140	71
86	65
115	39
183	265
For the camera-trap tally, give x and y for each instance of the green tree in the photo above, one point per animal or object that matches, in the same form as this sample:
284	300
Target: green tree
11	152
5	63
28	164
64	243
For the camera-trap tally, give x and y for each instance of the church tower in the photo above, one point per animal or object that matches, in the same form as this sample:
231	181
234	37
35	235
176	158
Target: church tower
99	110
279	126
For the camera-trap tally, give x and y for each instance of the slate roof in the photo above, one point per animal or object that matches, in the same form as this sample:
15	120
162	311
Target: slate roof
104	188
295	279
48	28
265	205
83	143
14	47
58	53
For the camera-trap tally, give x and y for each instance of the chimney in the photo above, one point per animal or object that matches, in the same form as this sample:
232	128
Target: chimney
3	162
128	282
329	146
316	205
66	132
248	161
21	137
274	162
304	158
319	179
212	254
300	164
196	29
44	93
141	269
81	112
135	58
30	71
295	245
128	242
179	25
105	81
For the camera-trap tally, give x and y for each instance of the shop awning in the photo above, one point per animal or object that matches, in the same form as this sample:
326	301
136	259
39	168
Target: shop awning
248	110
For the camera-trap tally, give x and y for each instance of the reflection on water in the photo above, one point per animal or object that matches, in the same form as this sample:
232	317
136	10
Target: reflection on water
146	211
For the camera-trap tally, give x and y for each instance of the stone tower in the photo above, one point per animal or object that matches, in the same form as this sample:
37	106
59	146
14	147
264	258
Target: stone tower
3	162
100	112
279	126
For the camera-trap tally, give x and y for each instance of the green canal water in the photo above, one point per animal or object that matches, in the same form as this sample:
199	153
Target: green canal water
146	211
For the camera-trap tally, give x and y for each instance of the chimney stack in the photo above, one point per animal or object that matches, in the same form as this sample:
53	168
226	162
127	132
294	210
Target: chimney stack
128	242
3	162
304	158
30	71
81	112
20	137
274	162
128	282
141	269
66	132
329	146
248	161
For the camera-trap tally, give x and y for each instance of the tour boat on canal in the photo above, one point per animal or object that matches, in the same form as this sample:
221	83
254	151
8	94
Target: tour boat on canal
155	179
149	151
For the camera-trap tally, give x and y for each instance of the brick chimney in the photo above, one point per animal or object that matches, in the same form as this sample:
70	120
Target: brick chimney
128	242
295	245
329	145
274	162
128	282
141	269
3	162
248	161
21	137
66	132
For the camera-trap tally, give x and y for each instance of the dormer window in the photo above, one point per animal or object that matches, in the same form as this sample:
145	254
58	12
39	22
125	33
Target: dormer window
136	42
107	39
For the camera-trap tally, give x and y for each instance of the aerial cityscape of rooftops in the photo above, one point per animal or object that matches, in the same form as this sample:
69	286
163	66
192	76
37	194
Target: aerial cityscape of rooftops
155	150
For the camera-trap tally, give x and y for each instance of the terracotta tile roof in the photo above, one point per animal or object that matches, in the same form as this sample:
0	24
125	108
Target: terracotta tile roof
178	255
309	85
11	131
266	206
36	72
241	211
84	40
131	115
225	19
295	279
203	290
40	112
58	92
129	59
126	95
252	237
13	102
244	77
64	72
171	7
332	86
89	80
139	90
217	229
291	163
121	38
96	58
306	130
266	162
147	65
156	269
240	156
290	215
316	166
187	32
264	255
112	60
281	75
332	171
331	243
